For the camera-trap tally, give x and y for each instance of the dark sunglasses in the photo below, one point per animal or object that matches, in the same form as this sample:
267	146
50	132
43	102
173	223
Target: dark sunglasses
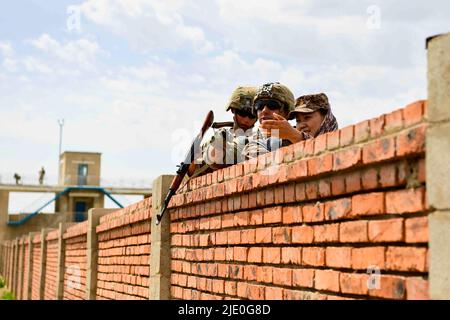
271	104
243	113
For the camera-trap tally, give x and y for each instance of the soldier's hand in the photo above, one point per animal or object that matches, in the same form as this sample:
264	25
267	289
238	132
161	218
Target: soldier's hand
281	128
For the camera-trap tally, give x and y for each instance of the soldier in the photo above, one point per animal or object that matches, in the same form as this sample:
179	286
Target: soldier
41	175
226	145
313	115
273	103
18	178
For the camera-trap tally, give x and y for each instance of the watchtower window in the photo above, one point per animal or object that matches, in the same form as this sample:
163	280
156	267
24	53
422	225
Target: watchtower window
82	174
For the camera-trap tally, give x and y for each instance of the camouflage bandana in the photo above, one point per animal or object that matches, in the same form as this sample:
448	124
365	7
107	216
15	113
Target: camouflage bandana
329	124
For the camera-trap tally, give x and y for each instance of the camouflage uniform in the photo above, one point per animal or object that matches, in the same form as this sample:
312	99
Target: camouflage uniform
228	143
260	144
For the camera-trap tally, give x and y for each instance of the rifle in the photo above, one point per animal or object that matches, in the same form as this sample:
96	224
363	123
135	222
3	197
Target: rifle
218	125
183	167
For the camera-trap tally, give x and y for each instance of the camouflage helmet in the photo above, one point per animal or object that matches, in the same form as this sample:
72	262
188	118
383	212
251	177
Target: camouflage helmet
310	103
276	91
242	98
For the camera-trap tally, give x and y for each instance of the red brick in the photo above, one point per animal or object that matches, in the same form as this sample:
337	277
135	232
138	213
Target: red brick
327	280
256	217
333	140
279	195
391	287
417	289
254	255
313	213
406	259
368	204
390	230
405	201
363	258
326	233
255	292
300	193
353	283
240	254
291	255
346	135
338	257
289	193
234	237
242	288
281	235
250	272
324	188
303	278
377	126
320	144
292	214
411	142
271	255
308	149
353	182
230	288
379	150
311	190
422	171
298	150
263	235
268	196
297	169
272	215
416	230
369	178
320	164
273	293
312	256
241	219
413	113
388	175
338	185
248	236
394	121
362	131
346	158
302	234
282	276
264	274
353	231
288	153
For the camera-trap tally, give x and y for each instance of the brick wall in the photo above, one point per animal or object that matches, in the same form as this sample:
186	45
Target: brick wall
20	266
25	270
75	262
51	265
124	252
308	221
36	267
316	220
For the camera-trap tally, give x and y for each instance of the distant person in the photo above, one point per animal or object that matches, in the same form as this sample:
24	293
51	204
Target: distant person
18	178
41	175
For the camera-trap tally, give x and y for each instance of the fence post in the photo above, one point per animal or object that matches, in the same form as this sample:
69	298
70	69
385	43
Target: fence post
30	265
160	268
92	251
438	165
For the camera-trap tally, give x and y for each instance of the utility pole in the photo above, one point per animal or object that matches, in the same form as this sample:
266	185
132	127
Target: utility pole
61	124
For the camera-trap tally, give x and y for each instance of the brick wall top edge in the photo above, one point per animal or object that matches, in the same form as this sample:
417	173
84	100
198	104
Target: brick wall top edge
37	238
76	230
143	214
52	235
369	131
143	204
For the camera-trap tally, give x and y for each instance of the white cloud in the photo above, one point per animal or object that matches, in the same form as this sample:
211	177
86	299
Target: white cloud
6	49
81	52
149	25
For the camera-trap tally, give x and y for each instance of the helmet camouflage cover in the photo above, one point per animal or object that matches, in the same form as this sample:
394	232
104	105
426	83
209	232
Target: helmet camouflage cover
276	91
242	98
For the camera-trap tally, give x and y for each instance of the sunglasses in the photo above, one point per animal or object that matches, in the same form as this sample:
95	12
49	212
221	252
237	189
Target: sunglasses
247	114
270	104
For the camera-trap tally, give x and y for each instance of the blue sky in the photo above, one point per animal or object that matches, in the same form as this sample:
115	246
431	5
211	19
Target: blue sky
136	79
